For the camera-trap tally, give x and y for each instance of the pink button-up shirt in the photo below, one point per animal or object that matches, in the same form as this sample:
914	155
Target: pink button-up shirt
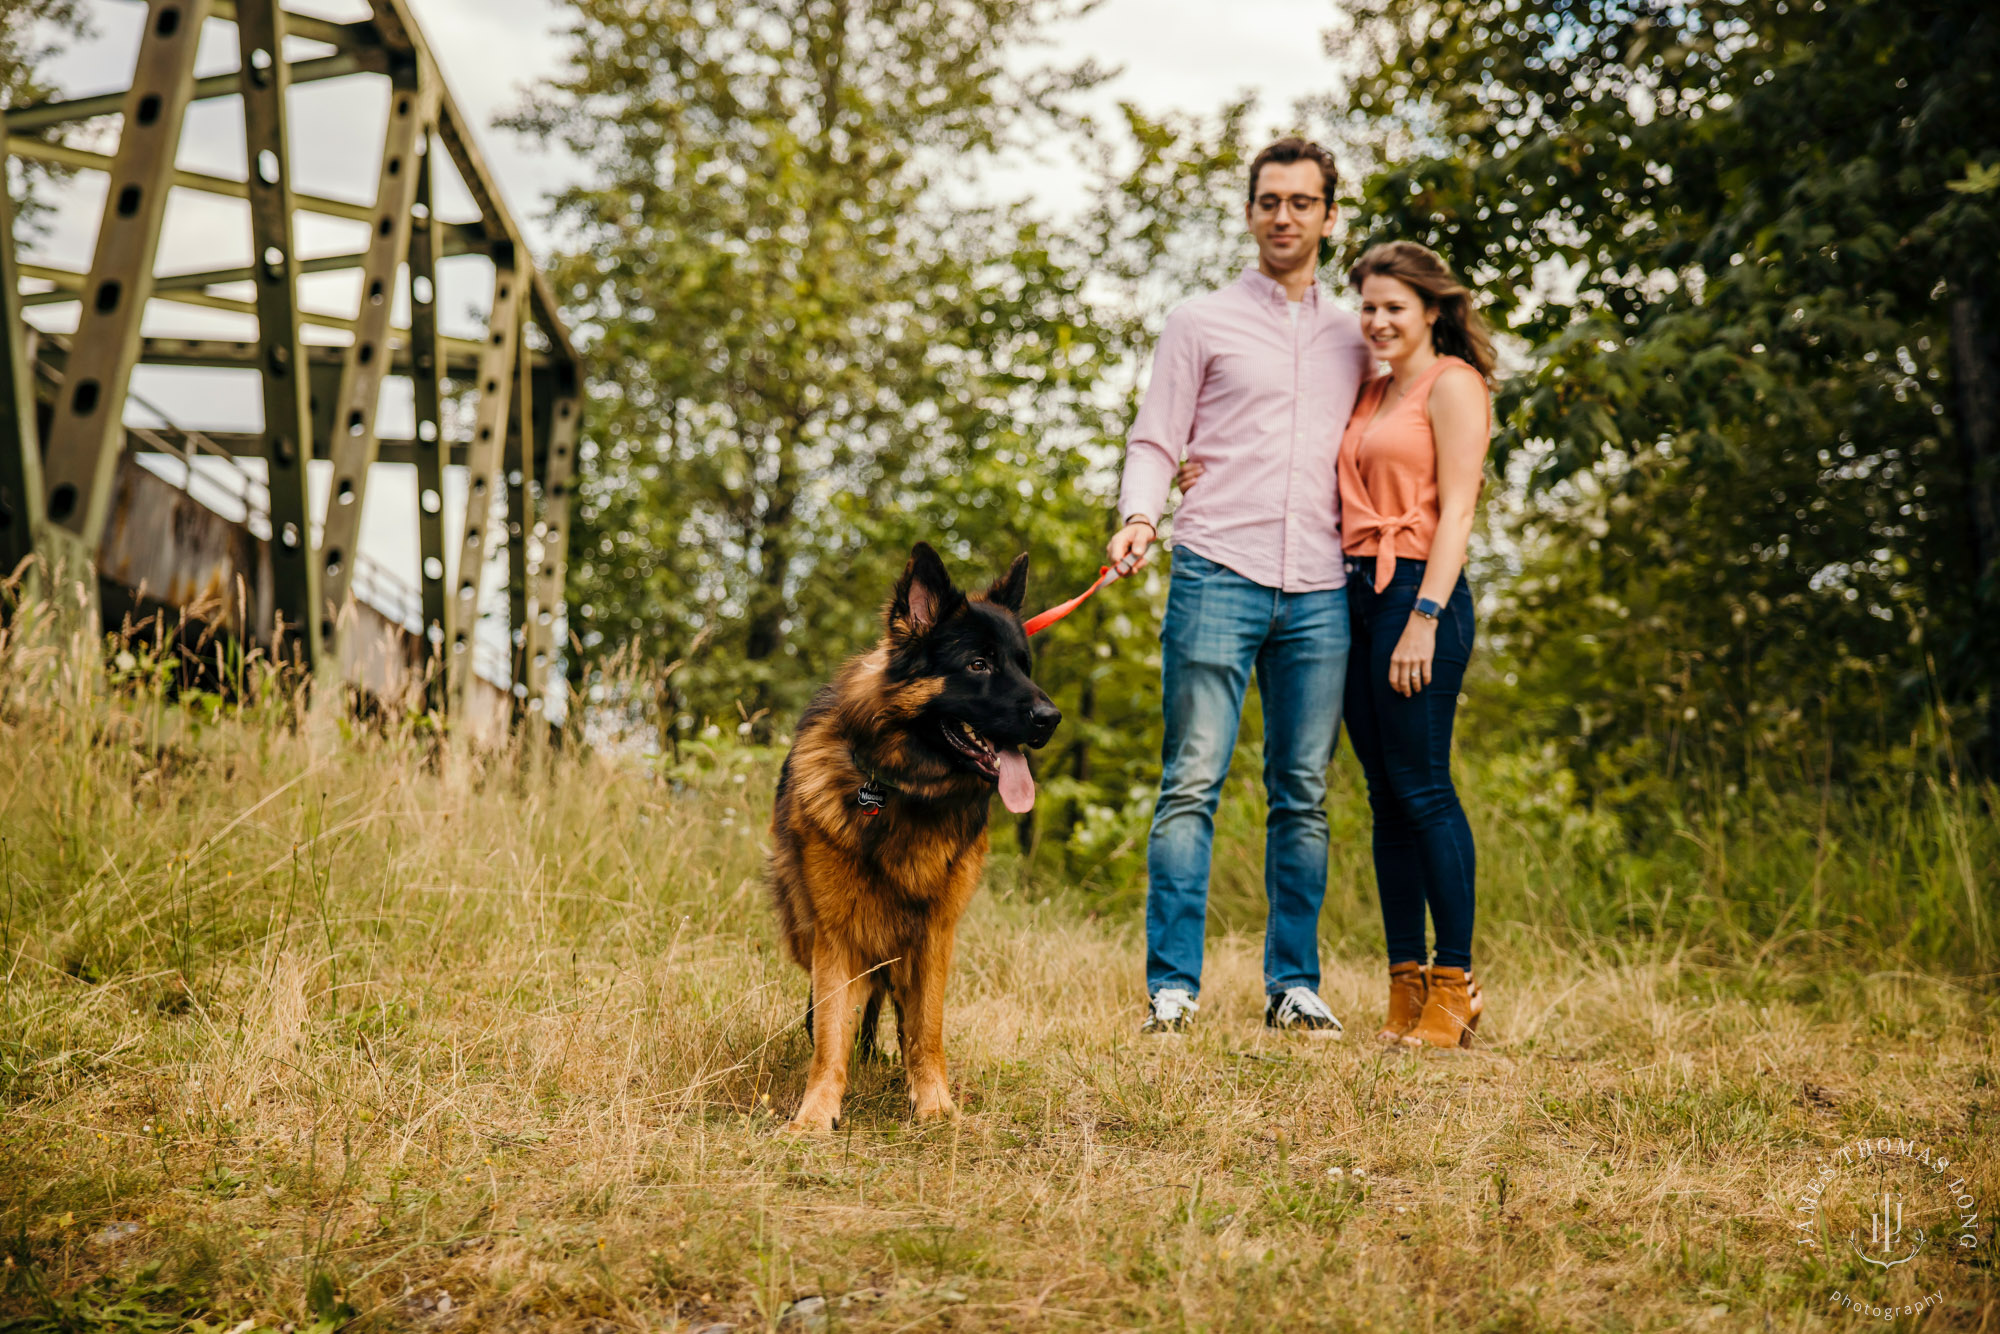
1260	398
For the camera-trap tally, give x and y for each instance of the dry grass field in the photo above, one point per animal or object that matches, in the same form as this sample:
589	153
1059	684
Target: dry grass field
305	1029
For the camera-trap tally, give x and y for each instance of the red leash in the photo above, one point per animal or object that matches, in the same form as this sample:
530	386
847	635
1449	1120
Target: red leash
1034	625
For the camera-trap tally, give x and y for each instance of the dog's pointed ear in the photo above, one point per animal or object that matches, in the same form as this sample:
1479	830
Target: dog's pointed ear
924	595
1012	587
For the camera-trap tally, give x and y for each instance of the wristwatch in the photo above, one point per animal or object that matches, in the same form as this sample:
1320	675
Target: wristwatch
1428	608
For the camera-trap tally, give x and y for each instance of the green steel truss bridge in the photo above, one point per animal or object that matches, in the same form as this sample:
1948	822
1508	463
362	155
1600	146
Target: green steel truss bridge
248	551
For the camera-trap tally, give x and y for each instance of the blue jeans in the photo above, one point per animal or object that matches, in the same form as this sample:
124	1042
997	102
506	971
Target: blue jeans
1219	627
1423	845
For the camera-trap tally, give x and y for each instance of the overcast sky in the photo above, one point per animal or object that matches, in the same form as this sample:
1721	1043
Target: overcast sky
1172	55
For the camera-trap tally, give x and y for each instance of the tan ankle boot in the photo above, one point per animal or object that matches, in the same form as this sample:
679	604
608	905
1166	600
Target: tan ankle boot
1451	1010
1406	1000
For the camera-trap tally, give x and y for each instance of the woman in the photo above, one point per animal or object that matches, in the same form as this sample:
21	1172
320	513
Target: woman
1411	466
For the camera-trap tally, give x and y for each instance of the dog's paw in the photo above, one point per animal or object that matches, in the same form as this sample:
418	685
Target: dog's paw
932	1105
802	1125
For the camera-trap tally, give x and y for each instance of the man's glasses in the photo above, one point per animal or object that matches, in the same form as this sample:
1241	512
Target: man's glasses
1302	205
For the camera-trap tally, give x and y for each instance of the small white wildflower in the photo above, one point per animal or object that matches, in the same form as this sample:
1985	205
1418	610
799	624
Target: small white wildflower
1361	1171
1335	1173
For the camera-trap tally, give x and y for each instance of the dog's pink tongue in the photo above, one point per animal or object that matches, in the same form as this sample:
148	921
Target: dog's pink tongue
1017	785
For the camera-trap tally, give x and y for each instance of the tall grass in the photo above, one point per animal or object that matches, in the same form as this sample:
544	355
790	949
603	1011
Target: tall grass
308	1023
1900	873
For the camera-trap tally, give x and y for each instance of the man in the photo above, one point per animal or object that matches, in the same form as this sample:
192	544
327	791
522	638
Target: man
1255	384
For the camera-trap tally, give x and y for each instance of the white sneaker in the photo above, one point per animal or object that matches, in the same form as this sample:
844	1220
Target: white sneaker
1301	1008
1172	1011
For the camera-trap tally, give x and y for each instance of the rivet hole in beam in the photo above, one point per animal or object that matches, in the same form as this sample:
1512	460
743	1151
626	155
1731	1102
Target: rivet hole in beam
470	235
495	230
70	288
458	241
551	569
427	370
412	110
87	433
398	29
495	391
518	462
43	115
395	28
286	378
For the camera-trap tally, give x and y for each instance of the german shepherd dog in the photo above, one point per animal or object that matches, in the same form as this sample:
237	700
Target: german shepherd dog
879	832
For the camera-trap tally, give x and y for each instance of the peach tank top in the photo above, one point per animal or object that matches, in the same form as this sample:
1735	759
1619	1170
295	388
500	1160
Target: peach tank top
1389	476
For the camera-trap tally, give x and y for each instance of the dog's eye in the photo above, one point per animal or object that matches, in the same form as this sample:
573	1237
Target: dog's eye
979	665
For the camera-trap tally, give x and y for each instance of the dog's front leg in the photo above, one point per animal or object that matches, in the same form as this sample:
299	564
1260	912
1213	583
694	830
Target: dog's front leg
922	1023
834	993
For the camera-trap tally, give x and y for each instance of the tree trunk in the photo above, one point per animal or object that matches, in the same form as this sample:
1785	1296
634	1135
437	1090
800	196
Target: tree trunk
773	540
1079	762
1975	364
764	637
766	634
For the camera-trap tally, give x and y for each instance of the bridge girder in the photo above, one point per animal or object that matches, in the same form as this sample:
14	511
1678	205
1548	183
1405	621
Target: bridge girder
319	400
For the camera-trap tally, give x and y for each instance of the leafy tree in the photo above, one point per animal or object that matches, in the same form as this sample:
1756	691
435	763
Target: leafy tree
1069	331
813	351
1754	247
787	306
31	33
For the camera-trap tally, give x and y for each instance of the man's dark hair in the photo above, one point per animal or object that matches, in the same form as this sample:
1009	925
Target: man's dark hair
1295	149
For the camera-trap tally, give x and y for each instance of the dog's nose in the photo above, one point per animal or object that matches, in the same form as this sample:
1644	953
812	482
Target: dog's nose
1042	719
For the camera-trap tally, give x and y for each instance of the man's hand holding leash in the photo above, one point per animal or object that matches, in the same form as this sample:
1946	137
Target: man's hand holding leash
1129	544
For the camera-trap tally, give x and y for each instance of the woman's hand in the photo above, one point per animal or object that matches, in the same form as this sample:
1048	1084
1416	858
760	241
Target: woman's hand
1188	473
1410	664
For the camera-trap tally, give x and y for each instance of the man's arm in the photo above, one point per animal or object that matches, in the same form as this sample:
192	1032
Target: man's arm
1158	441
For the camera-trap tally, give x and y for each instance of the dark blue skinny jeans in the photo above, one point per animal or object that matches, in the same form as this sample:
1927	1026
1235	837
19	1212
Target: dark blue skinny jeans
1423	845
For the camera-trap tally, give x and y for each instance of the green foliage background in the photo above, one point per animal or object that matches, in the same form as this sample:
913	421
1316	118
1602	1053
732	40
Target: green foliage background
1753	248
1740	563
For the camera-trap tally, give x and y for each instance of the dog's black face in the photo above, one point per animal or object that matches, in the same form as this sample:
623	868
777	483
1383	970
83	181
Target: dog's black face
985	706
